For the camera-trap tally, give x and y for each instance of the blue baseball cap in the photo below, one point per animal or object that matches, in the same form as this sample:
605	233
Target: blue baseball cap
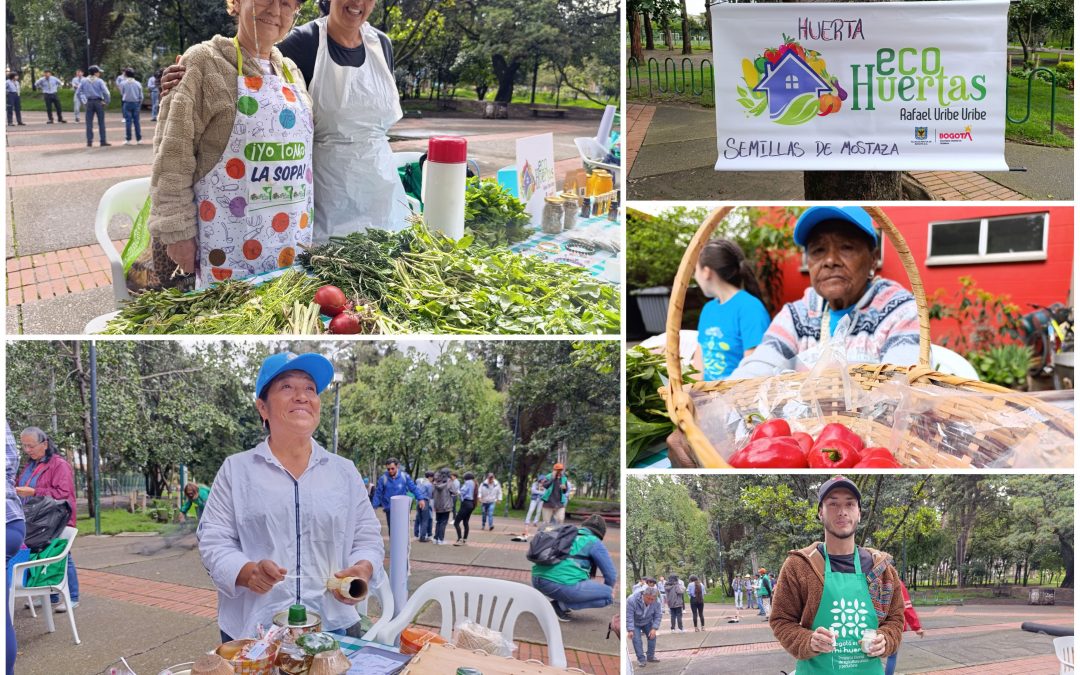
316	365
815	215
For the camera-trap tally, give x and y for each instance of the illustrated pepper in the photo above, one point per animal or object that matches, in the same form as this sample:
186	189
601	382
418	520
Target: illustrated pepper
837	431
770	453
832	453
774	428
805	440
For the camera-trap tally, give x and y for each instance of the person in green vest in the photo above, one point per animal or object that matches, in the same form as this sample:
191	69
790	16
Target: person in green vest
194	495
567	583
831	595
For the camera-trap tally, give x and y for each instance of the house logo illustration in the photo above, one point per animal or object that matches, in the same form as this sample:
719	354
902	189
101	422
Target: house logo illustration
528	182
920	133
791	83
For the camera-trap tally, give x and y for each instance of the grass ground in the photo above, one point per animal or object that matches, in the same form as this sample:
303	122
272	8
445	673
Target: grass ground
672	81
32	100
1037	127
115	521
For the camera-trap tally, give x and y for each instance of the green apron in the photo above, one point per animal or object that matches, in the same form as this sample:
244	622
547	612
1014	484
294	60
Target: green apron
847	610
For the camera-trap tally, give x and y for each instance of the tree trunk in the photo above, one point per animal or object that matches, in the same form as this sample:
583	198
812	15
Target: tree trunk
536	72
649	43
687	47
843	185
1066	544
1023	41
708	23
88	438
636	51
505	74
669	39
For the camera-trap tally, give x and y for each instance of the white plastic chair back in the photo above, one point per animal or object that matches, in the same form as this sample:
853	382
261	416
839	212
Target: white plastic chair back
382	591
947	361
493	603
1063	649
126	199
18	590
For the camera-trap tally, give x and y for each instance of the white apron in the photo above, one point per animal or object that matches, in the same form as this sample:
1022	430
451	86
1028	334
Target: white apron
356	180
255	206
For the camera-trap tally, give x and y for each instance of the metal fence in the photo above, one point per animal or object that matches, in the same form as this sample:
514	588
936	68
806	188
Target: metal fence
691	81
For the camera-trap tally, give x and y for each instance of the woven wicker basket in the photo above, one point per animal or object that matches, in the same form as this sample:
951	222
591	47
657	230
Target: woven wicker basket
920	447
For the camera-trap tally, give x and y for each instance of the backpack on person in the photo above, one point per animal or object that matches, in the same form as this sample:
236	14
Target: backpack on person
551	546
46	519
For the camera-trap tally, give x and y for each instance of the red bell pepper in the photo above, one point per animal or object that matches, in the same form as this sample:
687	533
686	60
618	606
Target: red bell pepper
769	453
832	454
877	458
774	428
805	440
837	431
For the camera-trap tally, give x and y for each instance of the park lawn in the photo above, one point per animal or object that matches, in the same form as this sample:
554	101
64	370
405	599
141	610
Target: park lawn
1036	129
116	521
35	101
566	100
668	79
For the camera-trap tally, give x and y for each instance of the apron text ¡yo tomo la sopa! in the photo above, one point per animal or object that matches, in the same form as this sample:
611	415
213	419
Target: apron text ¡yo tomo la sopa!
255	205
847	610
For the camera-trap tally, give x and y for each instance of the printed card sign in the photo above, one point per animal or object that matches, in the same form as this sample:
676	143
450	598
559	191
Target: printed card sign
536	173
861	86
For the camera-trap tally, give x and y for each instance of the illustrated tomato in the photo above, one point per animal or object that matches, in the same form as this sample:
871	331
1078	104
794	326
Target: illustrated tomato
280	223
220	273
286	257
252	249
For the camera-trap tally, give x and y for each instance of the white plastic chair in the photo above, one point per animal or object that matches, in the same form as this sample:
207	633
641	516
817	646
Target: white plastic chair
947	361
18	590
126	199
1063	649
494	603
381	589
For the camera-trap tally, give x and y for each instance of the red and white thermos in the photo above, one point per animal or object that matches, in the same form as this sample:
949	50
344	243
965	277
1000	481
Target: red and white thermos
443	191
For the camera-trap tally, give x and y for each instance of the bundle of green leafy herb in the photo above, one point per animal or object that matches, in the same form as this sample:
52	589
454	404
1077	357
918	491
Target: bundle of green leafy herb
493	215
281	305
647	421
424	282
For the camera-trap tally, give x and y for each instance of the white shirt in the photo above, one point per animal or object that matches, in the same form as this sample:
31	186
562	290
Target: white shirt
490	494
251	515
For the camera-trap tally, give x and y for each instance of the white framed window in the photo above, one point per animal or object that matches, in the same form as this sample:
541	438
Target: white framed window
1020	237
791	82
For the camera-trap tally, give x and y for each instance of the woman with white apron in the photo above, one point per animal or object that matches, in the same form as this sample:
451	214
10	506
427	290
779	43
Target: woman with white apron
356	180
232	186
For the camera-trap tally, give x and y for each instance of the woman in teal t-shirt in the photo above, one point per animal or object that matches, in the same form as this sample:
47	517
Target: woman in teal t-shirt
733	322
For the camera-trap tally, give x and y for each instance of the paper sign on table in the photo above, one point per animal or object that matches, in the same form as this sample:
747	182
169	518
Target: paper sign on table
536	173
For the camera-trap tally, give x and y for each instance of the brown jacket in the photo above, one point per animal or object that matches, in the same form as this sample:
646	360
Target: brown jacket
194	125
798	594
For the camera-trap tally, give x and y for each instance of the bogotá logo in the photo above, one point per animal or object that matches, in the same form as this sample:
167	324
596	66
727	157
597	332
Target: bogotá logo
792	83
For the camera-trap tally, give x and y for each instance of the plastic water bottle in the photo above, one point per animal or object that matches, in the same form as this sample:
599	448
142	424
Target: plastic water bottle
443	191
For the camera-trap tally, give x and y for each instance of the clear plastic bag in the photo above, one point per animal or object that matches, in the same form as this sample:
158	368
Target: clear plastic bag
471	635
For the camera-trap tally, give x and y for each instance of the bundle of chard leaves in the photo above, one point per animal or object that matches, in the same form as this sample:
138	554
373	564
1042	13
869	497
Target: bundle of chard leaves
493	215
423	282
280	306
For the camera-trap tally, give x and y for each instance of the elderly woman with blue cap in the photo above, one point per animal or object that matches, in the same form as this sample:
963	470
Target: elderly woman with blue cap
874	319
287	509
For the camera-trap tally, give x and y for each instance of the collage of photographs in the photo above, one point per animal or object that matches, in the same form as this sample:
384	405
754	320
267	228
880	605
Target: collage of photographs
744	330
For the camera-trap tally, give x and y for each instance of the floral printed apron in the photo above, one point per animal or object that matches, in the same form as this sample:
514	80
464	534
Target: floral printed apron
255	206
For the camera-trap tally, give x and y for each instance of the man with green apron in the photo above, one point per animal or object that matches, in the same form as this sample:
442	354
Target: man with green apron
829	594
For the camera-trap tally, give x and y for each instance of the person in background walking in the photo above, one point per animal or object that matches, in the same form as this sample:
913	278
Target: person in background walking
424	491
490	495
751	587
911	622
75	82
393	483
556	494
674	591
536	493
764	593
737	590
154	85
94	94
49	85
131	93
443	494
16	531
468	503
696	591
14	99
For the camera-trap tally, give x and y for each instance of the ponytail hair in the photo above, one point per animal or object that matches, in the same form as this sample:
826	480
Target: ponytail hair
724	257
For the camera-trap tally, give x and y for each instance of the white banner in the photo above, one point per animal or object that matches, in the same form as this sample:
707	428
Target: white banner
861	86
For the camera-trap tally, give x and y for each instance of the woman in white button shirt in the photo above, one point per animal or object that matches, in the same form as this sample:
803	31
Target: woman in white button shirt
286	515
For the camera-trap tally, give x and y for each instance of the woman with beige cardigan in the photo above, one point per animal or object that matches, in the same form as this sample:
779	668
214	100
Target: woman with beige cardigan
231	191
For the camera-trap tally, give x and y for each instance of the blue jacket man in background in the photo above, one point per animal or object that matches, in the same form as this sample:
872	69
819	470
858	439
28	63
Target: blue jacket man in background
643	615
392	483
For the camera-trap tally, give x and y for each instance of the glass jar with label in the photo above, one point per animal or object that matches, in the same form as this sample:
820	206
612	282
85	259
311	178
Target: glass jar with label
551	222
570	210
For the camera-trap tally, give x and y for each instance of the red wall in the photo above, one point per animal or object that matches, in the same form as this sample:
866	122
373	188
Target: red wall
1042	282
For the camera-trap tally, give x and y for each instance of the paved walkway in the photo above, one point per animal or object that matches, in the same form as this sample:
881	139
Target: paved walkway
960	640
150	600
57	275
671	151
